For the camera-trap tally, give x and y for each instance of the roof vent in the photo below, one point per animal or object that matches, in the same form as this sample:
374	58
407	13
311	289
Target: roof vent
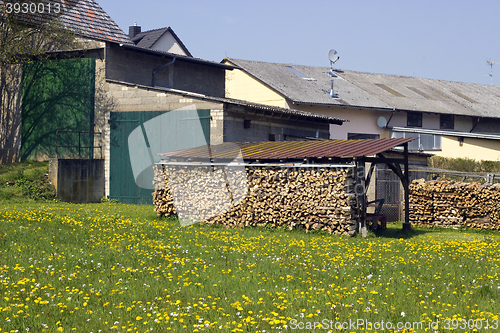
332	93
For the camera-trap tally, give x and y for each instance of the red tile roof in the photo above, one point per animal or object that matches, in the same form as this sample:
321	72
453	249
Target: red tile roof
84	17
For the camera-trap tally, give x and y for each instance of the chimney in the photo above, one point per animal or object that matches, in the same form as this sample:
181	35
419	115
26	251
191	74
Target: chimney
133	30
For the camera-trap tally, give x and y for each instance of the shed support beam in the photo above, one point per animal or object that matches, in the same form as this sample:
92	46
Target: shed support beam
406	185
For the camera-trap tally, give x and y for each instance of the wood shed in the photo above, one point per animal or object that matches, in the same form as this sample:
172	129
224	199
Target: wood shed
315	185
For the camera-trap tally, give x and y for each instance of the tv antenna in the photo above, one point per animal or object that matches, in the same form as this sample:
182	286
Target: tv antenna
491	63
333	56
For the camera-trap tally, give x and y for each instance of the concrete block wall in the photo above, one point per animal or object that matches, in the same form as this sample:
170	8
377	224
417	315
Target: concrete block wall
217	126
129	97
137	67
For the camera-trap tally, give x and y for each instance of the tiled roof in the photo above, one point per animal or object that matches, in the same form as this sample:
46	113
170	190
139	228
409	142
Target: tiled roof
84	17
87	18
146	39
282	150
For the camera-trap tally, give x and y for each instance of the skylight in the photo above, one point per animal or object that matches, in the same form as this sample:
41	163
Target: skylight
299	73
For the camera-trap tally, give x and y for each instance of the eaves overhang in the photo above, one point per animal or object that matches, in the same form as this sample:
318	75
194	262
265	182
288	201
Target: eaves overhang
446	133
177	56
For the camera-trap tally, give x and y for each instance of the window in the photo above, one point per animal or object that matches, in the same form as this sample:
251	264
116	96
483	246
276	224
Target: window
423	141
299	73
446	121
272	137
357	136
414	119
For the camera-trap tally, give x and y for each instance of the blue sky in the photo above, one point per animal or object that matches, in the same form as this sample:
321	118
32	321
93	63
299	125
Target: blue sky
447	40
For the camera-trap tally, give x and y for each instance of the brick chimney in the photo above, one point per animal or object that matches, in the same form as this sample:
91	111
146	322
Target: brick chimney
133	30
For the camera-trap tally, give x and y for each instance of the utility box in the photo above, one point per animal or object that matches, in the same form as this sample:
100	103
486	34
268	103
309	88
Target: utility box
78	180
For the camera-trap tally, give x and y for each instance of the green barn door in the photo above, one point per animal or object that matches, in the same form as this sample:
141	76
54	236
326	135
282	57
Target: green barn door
137	137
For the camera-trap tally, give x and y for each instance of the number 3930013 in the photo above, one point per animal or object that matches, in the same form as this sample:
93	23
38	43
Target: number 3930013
32	7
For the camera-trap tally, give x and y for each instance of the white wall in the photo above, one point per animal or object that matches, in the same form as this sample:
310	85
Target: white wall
360	121
168	43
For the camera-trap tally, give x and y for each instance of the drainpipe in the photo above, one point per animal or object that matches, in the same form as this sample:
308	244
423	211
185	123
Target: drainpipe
160	67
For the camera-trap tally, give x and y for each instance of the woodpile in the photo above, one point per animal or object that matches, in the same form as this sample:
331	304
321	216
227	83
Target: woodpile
162	198
454	204
308	198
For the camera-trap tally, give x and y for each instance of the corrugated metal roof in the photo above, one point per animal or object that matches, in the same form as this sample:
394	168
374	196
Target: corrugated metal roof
378	91
266	109
282	150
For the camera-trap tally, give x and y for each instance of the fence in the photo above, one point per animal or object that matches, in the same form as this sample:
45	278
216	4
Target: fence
71	150
389	187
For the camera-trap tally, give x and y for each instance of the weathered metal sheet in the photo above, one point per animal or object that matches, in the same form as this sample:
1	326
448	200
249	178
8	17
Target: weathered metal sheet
282	150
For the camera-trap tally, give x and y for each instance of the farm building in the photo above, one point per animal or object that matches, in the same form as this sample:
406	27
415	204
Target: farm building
314	184
110	88
450	119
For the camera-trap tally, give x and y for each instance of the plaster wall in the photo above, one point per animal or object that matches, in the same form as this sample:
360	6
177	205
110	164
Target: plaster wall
240	85
478	149
360	121
168	43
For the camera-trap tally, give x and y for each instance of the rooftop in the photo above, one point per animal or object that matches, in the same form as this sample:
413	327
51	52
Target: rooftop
84	17
378	91
147	39
286	150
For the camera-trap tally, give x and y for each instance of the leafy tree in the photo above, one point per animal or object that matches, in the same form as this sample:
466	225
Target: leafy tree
24	38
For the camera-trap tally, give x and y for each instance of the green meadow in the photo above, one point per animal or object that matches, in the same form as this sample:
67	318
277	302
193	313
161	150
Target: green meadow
111	267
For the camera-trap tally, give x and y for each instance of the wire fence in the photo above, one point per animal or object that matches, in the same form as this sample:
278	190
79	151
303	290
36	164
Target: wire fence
388	186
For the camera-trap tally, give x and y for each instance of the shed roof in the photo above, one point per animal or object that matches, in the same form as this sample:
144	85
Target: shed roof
283	150
311	85
265	109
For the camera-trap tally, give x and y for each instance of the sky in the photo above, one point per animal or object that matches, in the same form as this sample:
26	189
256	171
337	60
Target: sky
438	39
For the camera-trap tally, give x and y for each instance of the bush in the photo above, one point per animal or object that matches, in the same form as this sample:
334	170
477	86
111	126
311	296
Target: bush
464	164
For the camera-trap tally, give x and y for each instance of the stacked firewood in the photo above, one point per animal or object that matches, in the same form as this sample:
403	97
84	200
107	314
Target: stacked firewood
312	199
162	198
454	204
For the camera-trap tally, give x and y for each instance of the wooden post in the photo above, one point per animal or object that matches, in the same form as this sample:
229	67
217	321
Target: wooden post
360	191
406	183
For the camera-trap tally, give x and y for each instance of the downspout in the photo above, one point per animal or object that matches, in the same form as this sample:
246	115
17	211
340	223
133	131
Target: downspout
160	67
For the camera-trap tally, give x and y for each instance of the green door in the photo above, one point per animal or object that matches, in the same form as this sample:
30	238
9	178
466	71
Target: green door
137	137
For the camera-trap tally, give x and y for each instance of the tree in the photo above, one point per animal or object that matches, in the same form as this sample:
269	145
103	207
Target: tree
27	34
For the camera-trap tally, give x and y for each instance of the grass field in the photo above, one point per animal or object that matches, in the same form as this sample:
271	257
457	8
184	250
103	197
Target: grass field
117	268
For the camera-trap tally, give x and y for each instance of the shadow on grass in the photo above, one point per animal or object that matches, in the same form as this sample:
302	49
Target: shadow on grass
395	230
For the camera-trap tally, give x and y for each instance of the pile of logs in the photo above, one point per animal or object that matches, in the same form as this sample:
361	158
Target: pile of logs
308	198
454	204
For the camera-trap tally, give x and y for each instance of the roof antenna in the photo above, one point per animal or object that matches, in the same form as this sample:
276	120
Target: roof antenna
491	73
333	56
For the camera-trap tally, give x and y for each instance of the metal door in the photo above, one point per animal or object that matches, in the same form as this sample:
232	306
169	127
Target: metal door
122	182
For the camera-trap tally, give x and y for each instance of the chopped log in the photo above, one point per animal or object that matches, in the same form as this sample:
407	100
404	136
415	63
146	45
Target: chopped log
314	199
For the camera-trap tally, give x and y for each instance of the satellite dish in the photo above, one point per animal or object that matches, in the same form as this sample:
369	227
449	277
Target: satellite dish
333	56
381	122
